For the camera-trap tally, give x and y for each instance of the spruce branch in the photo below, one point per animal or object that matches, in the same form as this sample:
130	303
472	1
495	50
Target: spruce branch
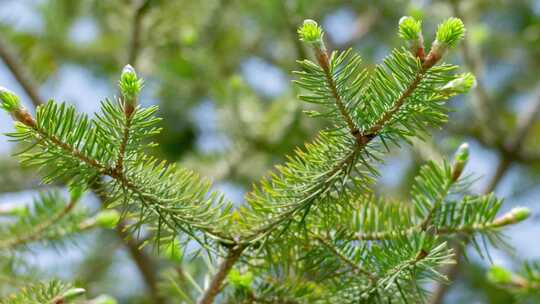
80	158
514	216
324	166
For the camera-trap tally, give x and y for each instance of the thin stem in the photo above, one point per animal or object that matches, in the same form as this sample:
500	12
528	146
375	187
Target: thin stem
20	73
346	260
136	31
223	270
425	223
324	62
392	234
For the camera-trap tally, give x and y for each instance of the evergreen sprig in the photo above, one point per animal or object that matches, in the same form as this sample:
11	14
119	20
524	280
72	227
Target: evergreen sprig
51	218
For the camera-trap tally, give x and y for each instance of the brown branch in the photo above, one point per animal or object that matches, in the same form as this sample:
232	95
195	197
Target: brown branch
223	270
145	264
20	73
136	30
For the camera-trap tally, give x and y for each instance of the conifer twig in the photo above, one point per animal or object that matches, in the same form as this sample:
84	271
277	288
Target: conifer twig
147	199
502	221
323	59
36	233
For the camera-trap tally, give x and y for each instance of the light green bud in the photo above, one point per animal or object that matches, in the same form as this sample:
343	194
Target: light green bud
310	32
9	101
107	219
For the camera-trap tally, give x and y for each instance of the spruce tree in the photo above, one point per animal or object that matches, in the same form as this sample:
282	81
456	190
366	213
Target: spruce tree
312	231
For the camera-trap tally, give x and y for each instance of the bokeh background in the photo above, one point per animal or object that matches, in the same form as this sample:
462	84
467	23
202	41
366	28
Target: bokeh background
220	70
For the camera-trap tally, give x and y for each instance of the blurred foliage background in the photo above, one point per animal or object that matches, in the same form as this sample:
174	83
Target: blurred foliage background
220	71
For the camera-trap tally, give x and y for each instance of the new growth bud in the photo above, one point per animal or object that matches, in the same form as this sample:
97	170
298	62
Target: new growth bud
11	104
521	213
103	299
462	84
107	219
70	295
516	215
310	32
410	30
499	275
449	33
130	85
9	101
460	160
